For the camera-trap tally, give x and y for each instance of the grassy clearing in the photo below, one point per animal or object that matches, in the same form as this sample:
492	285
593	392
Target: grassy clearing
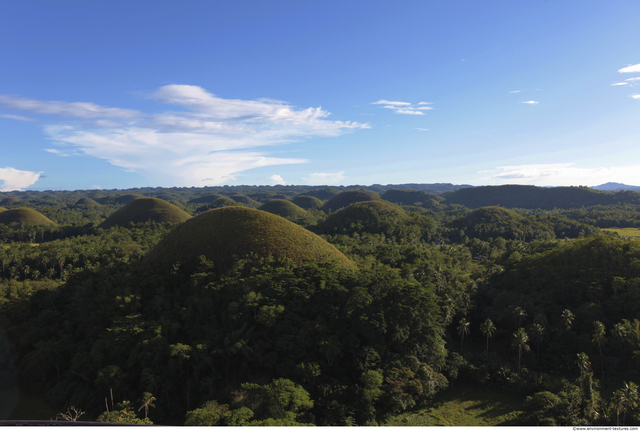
465	406
628	232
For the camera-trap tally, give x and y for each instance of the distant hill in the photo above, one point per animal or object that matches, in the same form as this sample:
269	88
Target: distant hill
437	188
23	215
376	216
206	199
226	234
345	199
307	202
86	202
146	209
2	209
245	200
615	187
409	197
283	208
517	196
491	222
9	201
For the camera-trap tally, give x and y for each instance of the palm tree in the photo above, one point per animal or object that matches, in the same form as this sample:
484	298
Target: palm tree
147	401
599	337
537	335
463	329
618	332
519	314
584	365
488	328
567	318
520	339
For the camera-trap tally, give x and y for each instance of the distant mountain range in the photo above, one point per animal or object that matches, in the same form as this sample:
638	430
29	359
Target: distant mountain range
614	187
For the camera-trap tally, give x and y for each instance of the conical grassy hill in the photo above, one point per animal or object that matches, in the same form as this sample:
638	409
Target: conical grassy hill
23	215
9	201
307	202
2	209
492	222
125	199
207	199
371	217
86	202
283	208
223	235
245	200
347	198
146	209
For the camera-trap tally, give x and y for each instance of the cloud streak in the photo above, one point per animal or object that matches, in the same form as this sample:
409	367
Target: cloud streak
530	102
205	142
14	179
405	108
630	69
324	178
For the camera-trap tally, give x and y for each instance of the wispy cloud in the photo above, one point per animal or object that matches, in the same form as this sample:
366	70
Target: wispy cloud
405	108
17	117
14	179
204	143
560	174
515	91
530	102
635	96
630	69
324	178
421	129
620	83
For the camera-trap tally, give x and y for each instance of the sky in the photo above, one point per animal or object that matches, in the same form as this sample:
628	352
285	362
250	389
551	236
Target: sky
113	94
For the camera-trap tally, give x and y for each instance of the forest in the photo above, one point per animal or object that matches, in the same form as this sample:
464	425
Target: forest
303	305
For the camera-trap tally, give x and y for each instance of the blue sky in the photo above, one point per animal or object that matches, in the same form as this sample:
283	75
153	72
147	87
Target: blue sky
119	94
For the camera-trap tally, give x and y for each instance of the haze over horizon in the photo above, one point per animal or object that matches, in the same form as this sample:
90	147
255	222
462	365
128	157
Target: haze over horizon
119	94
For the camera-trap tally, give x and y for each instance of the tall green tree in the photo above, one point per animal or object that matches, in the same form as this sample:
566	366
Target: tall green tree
599	337
463	330
488	328
520	339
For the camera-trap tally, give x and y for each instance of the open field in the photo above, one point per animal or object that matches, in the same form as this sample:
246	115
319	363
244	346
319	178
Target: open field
465	406
627	232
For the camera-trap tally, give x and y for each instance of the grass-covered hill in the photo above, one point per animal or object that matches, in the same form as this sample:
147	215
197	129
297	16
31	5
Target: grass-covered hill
9	201
206	199
245	200
409	197
86	202
516	196
372	217
283	208
2	209
322	194
492	222
23	215
347	198
307	202
226	234
146	209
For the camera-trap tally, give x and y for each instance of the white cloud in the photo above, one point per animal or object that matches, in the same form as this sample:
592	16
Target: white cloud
530	102
630	69
324	178
561	174
57	152
405	108
17	117
277	179
64	109
205	143
386	102
515	91
633	79
635	96
95	187
15	179
421	129
621	83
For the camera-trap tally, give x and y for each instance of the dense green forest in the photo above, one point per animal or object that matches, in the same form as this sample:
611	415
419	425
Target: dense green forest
293	305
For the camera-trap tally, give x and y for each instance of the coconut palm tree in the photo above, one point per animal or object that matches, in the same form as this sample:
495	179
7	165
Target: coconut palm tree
599	337
537	335
618	332
519	314
147	401
488	328
463	330
567	318
520	339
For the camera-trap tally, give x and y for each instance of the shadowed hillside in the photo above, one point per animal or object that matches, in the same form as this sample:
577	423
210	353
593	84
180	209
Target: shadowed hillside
226	234
2	209
146	209
409	197
207	199
492	222
245	200
515	196
345	199
371	217
23	215
283	208
322	194
9	201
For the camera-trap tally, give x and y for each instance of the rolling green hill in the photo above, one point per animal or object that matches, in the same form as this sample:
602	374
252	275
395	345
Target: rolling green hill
492	222
245	200
86	202
283	208
9	201
206	199
307	202
146	209
347	198
226	234
408	197
516	196
371	217
23	215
